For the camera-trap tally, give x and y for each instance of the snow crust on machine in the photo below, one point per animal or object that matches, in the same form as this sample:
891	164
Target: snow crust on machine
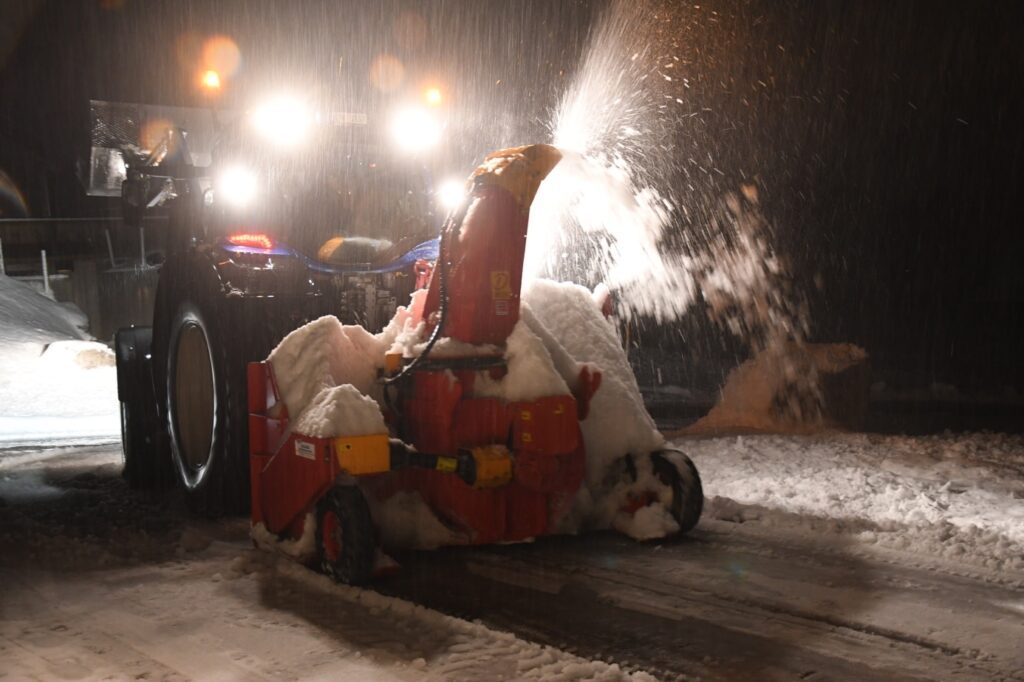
324	354
531	370
566	316
315	363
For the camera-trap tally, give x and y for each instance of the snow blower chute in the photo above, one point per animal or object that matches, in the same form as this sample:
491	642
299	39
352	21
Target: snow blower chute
492	463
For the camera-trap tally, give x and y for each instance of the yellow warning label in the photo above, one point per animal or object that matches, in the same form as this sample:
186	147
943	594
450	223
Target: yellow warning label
447	464
501	285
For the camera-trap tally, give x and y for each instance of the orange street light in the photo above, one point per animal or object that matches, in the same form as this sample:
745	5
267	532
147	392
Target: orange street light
433	96
210	80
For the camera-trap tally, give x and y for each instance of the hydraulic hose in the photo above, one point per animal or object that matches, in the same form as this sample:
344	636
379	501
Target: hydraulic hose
453	221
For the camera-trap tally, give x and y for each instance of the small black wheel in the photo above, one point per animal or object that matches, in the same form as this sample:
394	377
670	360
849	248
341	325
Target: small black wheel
675	469
345	544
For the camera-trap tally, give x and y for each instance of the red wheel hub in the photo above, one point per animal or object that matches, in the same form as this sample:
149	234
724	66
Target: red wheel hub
635	503
330	536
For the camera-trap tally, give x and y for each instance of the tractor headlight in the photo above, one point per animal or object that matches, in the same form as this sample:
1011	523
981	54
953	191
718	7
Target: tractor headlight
415	129
450	193
236	185
283	120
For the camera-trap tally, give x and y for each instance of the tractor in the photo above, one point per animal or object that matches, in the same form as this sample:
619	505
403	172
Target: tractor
284	376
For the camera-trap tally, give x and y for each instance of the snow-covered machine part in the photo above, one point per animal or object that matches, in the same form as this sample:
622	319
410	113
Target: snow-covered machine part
489	407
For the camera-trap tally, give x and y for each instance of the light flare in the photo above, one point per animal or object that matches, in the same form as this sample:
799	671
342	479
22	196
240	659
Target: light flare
415	129
433	97
283	119
236	186
450	193
221	54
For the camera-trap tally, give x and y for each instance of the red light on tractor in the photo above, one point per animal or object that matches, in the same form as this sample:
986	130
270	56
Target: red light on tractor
252	240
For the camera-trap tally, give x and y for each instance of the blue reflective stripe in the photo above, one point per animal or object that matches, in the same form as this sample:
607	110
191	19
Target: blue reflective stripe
427	250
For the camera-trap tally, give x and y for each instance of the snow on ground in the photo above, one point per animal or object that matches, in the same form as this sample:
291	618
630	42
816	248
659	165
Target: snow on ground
54	384
99	582
955	496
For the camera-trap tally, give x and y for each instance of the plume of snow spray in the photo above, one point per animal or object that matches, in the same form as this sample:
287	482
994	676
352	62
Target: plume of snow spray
608	212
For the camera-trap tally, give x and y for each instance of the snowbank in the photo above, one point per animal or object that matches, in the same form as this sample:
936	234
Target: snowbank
27	316
53	384
952	496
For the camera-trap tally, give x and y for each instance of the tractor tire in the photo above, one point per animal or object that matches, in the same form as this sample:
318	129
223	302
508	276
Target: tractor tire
210	341
207	409
675	469
345	538
143	439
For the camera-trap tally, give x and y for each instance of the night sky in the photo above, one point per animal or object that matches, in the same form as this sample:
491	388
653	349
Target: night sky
886	138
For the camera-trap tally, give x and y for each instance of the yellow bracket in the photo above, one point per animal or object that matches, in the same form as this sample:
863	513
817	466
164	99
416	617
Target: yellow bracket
360	455
493	466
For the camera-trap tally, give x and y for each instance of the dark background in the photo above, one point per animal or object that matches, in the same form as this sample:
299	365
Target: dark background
886	138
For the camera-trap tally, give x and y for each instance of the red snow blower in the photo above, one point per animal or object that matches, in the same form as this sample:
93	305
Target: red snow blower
496	470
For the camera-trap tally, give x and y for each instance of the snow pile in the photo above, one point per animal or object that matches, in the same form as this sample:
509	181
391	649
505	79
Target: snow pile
765	393
324	354
340	411
66	389
324	371
327	371
952	496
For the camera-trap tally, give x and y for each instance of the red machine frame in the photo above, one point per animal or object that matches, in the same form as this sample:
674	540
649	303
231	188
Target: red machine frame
527	457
